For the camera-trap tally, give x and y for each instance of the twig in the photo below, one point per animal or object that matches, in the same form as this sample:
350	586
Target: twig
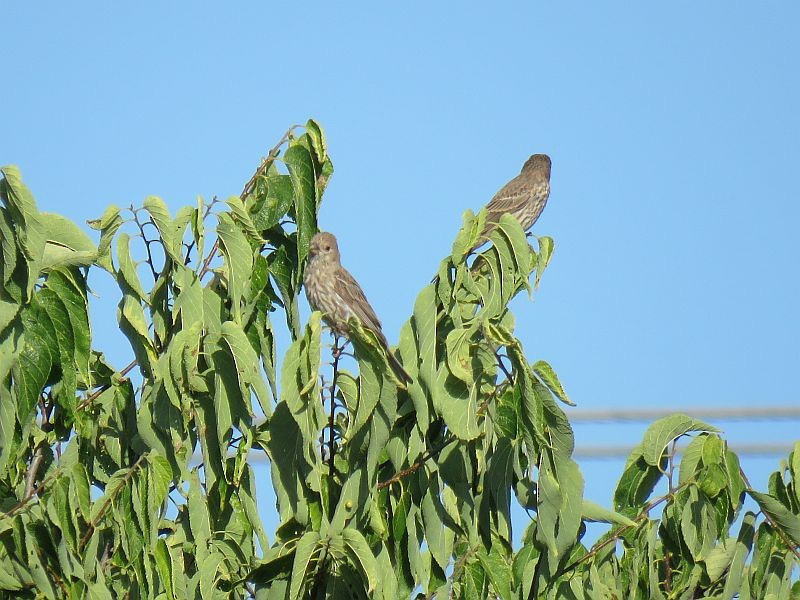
431	453
104	557
107	502
503	367
459	566
38	457
250	589
247	190
190	246
265	164
35	492
618	533
779	531
671	489
147	242
415	467
96	394
336	352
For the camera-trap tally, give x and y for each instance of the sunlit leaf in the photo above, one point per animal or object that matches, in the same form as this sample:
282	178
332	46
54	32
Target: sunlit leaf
663	431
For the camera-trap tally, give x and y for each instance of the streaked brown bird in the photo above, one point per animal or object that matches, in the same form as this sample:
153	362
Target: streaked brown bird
524	197
333	291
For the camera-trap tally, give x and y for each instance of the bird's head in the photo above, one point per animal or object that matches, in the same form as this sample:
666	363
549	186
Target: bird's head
538	163
323	246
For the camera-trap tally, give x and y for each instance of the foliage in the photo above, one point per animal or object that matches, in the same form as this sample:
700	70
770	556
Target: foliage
382	491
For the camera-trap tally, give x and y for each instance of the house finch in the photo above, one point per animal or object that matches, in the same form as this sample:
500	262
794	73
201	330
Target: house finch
331	290
524	196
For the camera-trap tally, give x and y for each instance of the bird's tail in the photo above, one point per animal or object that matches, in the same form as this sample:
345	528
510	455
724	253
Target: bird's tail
397	368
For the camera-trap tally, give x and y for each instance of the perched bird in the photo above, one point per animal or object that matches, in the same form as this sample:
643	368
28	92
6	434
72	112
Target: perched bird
331	290
524	197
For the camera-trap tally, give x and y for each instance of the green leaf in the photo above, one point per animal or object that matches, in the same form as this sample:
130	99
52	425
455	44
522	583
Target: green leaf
352	499
239	262
439	535
29	227
546	246
208	574
39	352
637	482
691	458
299	377
247	495
247	364
521	251
164	566
108	225
278	199
459	350
424	328
712	450
133	324
794	469
70	287
697	523
243	218
65	341
548	376
189	300
318	141
277	564
458	405
471	227
663	431
598	514
560	502
719	559
61	231
301	170
371	367
781	516
167	228
36	546
199	516
303	556
498	568
160	478
361	554
126	272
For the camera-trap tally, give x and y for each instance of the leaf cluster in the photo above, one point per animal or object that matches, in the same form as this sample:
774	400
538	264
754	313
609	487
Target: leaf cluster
138	482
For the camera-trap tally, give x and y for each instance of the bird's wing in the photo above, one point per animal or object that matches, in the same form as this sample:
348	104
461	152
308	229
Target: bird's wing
351	293
505	200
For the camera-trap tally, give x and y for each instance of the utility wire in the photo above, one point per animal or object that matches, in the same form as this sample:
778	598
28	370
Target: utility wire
761	413
608	452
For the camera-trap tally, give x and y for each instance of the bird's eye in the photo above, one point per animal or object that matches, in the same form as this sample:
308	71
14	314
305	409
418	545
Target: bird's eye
327	248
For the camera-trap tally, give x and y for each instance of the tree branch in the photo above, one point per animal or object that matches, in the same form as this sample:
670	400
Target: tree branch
247	190
96	394
778	530
415	467
337	353
33	469
618	533
107	502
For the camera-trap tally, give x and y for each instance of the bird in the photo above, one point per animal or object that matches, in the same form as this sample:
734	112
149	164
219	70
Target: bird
524	197
334	292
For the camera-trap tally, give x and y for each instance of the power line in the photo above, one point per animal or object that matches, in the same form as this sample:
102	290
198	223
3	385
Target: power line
608	452
761	413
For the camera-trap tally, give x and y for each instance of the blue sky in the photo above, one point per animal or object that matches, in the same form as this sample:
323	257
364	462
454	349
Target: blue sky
674	133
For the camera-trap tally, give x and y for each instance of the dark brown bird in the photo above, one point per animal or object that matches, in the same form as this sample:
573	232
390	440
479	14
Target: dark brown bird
334	292
524	197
